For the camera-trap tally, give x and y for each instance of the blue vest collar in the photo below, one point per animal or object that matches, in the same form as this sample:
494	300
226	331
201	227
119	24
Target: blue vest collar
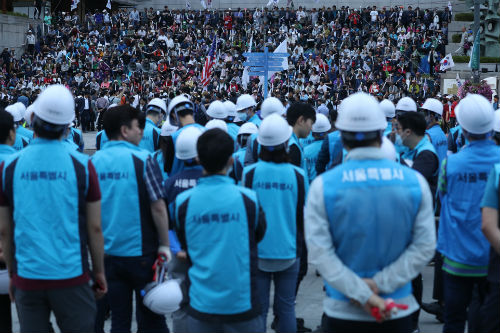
215	180
150	122
365	153
121	143
7	149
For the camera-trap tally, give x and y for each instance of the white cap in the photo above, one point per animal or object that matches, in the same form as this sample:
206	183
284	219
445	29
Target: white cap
178	100
22	109
360	112
13	109
248	128
406	104
322	124
29	111
164	298
216	123
271	105
185	145
496	121
231	108
388	149
217	110
168	129
56	105
274	130
475	114
433	105
157	103
388	107
245	101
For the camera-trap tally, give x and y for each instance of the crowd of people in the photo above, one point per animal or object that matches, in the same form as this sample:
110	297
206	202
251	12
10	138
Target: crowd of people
199	197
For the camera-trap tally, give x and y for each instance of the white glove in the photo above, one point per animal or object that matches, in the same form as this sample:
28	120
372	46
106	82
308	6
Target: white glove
165	252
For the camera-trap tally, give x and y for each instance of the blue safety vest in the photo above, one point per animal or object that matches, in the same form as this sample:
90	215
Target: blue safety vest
178	165
101	139
458	138
28	134
281	188
46	185
127	224
311	153
294	140
6	151
466	173
151	139
255	120
307	141
423	145
335	149
20	142
158	156
439	141
369	239
219	232
239	162
232	130
76	136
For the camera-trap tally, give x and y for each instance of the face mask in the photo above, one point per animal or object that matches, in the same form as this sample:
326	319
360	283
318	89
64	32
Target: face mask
243	116
399	140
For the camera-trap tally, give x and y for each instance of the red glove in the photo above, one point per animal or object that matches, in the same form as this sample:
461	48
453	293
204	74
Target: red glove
390	306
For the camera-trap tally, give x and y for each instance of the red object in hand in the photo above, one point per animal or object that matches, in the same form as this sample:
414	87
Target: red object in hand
390	306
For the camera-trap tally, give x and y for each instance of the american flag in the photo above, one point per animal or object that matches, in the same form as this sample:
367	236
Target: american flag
206	74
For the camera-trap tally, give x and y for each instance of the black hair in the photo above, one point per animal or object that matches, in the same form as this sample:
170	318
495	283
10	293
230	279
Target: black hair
278	155
353	140
415	121
6	125
242	139
214	147
300	109
119	116
48	130
333	115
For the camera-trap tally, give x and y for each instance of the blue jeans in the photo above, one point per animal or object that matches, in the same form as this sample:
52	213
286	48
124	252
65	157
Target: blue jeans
285	283
128	275
459	303
199	326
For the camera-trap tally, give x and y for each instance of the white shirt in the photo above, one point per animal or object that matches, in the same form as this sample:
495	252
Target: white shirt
374	15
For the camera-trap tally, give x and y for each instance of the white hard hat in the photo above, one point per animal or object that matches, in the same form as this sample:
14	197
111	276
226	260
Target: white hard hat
185	145
274	130
245	101
475	114
496	121
434	105
271	105
181	100
156	103
217	110
388	107
56	105
15	112
360	112
248	128
164	298
168	129
29	111
388	149
406	104
322	124
216	123
230	108
22	109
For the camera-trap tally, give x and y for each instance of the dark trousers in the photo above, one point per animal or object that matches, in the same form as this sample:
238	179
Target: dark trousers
460	305
198	326
490	310
126	276
85	118
100	120
332	325
73	307
437	288
417	290
5	314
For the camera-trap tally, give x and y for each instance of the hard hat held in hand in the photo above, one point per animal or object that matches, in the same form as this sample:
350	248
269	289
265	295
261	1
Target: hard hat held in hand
163	298
274	130
433	105
475	114
360	112
217	110
56	105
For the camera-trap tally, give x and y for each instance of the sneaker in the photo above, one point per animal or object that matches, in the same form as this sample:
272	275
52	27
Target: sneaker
300	326
434	308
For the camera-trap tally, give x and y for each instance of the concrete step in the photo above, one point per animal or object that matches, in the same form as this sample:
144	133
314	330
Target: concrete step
452	47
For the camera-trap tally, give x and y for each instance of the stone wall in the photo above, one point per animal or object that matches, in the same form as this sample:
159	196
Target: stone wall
13	31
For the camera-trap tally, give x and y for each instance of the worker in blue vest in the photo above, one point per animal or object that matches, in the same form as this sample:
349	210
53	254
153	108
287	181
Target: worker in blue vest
19	120
462	182
404	105
331	153
281	188
496	128
155	112
166	130
244	133
433	110
420	156
49	263
232	128
246	108
319	131
489	320
101	138
456	140
75	135
269	106
180	113
7	139
220	235
21	140
368	255
389	110
135	225
185	151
